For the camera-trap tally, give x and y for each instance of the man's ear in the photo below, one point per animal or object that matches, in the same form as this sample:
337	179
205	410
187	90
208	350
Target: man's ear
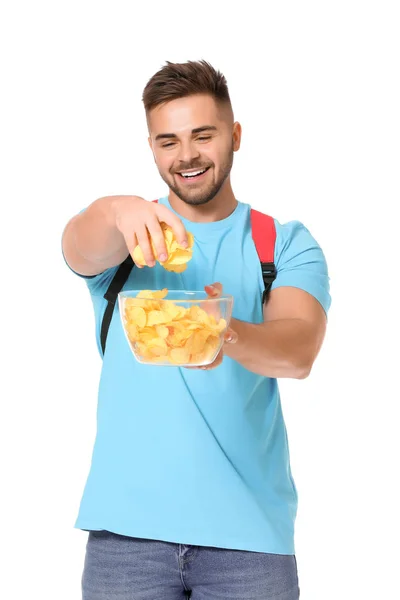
237	136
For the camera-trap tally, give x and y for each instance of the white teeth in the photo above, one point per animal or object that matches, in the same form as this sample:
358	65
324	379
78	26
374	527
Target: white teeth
193	174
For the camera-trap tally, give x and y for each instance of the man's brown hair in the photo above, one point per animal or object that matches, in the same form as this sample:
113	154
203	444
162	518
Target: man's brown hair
178	80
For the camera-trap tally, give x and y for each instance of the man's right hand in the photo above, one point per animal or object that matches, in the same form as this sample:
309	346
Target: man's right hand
137	219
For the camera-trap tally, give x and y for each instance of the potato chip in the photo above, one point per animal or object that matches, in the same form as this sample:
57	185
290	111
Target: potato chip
179	355
132	331
175	268
137	315
157	317
198	314
157	346
180	257
153	295
142	350
146	337
174	311
160	294
164	332
197	341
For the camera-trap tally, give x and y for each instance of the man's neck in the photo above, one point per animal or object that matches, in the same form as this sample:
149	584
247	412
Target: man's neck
220	207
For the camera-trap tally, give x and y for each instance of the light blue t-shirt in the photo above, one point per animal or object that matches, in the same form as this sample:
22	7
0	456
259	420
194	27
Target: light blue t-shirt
192	456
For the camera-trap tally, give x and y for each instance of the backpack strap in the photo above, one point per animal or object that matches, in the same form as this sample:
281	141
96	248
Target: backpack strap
111	295
264	237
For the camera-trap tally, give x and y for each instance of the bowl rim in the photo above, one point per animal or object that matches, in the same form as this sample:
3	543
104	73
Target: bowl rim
125	294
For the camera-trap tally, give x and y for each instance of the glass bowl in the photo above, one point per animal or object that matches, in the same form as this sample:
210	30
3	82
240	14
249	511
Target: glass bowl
183	329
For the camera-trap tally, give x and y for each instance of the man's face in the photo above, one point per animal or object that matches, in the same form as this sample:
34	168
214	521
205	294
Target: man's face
193	140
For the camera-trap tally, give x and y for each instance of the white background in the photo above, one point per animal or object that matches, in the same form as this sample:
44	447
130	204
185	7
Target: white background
315	86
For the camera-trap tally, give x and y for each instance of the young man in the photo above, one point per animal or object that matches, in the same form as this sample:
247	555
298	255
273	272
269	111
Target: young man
190	492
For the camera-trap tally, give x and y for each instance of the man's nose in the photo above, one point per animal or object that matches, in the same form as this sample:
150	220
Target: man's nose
188	152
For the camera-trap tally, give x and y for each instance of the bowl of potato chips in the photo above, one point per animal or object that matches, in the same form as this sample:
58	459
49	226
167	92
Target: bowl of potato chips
174	327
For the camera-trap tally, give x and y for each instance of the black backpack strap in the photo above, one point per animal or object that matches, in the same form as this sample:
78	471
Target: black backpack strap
111	295
269	275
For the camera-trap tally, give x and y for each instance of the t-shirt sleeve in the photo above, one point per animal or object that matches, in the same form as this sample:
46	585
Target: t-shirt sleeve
300	262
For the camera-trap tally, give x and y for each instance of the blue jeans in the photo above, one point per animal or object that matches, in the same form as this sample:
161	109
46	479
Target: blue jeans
118	567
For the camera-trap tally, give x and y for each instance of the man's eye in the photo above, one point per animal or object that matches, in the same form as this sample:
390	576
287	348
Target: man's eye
204	138
168	145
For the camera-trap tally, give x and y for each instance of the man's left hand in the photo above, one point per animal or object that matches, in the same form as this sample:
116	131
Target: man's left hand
230	337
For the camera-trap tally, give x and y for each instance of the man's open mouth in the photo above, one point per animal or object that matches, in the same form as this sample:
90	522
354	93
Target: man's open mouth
193	175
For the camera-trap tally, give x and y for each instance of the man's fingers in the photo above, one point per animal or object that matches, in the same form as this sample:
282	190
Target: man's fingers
157	237
166	215
148	234
144	243
131	243
132	247
231	337
218	360
214	290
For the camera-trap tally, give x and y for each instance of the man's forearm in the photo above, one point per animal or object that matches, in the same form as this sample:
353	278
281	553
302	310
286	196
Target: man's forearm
282	348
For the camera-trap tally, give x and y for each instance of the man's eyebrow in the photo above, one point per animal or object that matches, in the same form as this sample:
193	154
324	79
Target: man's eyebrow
162	136
204	128
168	136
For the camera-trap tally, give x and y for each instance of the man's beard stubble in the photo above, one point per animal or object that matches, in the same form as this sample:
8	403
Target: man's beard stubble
202	197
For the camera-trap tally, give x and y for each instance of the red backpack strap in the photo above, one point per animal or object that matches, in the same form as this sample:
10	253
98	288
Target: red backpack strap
264	237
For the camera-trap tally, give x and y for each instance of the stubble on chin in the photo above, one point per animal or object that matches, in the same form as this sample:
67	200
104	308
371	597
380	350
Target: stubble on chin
195	198
199	198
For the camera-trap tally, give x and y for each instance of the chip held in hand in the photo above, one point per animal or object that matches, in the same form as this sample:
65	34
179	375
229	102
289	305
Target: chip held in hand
178	328
177	255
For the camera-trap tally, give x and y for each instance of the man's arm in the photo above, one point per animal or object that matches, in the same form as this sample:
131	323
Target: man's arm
91	242
287	343
104	234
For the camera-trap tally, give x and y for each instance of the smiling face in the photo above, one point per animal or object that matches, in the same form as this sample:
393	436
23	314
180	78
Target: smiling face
193	140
